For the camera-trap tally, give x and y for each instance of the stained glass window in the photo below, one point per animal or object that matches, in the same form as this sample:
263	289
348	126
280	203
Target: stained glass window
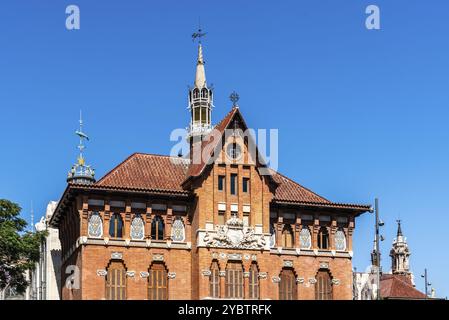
95	225
340	240
177	230
137	228
305	238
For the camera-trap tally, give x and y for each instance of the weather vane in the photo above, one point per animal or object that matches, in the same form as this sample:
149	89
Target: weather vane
234	97
82	136
198	34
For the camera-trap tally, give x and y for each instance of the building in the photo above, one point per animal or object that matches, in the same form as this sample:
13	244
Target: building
220	225
45	278
398	284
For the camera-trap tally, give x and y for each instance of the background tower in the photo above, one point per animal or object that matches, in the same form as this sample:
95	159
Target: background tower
400	254
80	172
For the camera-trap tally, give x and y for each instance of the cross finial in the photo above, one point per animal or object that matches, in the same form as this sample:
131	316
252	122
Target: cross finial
234	97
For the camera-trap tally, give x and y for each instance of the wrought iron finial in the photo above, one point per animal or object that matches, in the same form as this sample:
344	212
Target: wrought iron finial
234	97
80	172
198	35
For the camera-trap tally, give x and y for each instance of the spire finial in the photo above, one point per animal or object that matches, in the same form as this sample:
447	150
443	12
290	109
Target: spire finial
399	227
198	35
80	172
200	76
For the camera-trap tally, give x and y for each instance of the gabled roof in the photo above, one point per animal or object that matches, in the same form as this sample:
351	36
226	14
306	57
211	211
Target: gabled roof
395	286
160	174
196	169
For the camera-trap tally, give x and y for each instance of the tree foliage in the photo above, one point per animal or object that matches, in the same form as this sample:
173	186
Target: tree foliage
19	249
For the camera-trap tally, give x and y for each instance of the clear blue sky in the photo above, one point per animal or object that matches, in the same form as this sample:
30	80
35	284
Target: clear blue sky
360	113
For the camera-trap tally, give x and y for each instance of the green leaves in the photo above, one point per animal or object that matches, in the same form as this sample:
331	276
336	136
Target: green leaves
19	250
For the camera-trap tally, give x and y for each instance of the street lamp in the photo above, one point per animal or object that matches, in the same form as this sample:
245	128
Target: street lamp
426	283
379	223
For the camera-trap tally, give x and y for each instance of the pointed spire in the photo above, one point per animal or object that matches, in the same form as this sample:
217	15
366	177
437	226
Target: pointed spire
200	76
399	234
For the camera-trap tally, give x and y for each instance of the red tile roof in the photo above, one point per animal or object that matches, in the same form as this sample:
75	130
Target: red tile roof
147	172
394	286
150	172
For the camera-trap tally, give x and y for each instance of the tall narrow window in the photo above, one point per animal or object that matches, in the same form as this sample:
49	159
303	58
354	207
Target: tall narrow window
323	238
116	226
253	282
287	285
323	286
234	280
116	281
287	237
221	183
157	282
245	185
157	228
233	183
214	280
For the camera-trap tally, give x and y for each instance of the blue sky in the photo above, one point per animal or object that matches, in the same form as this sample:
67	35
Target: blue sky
361	113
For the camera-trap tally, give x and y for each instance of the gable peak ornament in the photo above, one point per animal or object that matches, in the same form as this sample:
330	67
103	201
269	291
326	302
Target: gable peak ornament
234	97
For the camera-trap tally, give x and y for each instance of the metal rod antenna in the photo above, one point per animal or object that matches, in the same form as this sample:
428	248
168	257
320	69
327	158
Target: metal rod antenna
376	209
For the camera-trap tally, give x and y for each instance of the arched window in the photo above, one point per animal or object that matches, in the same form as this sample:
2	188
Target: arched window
116	281
137	228
234	280
287	237
116	226
157	282
287	285
95	225
253	281
157	228
177	230
214	280
305	238
323	238
204	93
323	286
340	240
196	93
